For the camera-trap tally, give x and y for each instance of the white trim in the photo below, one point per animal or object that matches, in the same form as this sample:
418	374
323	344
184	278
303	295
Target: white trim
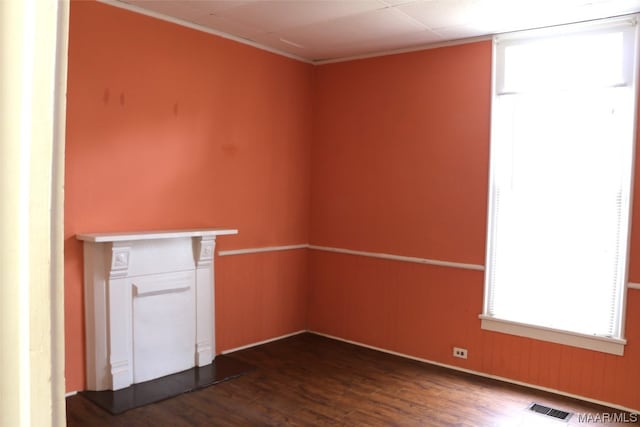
71	393
263	249
591	342
255	344
400	258
482	374
634	80
193	26
379	255
57	215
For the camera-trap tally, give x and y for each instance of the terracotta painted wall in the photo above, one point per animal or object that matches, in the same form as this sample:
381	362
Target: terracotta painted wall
400	165
187	129
168	127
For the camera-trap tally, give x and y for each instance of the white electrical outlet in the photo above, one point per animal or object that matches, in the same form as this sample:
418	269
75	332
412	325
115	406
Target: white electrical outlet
460	352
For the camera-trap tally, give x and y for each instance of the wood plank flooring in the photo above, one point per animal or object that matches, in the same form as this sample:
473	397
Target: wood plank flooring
309	380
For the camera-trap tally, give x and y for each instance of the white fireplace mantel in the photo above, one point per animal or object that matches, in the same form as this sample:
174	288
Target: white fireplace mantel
149	304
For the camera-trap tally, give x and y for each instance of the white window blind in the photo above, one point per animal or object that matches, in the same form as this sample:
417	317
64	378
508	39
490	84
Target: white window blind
563	120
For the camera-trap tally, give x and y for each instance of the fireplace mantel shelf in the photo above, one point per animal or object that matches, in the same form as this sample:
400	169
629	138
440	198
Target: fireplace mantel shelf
152	235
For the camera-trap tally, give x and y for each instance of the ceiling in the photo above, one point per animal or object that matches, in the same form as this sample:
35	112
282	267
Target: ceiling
327	30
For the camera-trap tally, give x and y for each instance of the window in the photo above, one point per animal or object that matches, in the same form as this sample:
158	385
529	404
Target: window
562	143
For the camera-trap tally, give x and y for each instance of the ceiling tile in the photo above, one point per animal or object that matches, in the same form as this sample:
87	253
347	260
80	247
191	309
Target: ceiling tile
277	15
412	40
216	6
228	26
442	13
399	2
320	29
366	27
279	42
459	33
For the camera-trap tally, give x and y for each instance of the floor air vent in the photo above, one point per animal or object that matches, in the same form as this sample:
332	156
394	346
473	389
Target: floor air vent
551	412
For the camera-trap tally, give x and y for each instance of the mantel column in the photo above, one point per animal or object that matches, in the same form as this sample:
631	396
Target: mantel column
119	323
204	249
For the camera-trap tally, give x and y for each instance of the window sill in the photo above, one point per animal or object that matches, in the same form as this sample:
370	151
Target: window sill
602	344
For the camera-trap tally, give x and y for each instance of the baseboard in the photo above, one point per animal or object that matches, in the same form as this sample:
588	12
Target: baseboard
482	374
255	344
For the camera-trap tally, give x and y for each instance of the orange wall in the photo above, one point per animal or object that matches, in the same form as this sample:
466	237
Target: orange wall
188	129
168	127
400	165
400	154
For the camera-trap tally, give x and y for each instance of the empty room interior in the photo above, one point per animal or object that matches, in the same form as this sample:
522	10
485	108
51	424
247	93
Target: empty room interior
369	204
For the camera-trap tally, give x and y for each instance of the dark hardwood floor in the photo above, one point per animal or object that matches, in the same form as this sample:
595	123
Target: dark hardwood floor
309	380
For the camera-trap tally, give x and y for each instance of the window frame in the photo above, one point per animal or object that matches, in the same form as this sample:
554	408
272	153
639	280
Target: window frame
612	345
